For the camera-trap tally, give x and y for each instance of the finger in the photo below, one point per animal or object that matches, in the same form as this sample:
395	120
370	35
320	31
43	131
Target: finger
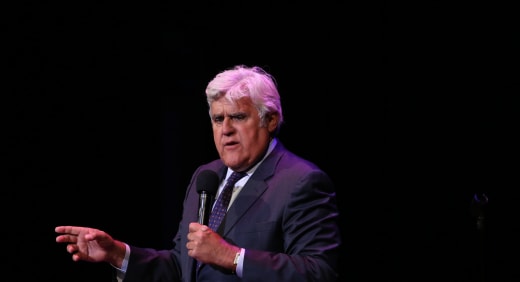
67	239
76	257
67	229
193	227
63	229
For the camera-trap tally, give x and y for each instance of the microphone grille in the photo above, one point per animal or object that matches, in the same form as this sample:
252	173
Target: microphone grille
207	181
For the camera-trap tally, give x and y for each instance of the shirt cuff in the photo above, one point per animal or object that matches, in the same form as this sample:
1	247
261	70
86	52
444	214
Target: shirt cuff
122	271
240	263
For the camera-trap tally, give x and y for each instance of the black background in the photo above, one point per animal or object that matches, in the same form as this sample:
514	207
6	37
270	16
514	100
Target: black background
411	108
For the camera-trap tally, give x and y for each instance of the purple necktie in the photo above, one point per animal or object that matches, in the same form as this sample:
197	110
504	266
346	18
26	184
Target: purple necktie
220	208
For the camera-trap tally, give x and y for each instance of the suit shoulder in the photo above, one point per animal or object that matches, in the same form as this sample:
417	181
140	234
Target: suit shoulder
293	161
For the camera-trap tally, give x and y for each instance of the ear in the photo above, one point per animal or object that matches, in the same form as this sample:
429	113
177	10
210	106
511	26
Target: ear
272	121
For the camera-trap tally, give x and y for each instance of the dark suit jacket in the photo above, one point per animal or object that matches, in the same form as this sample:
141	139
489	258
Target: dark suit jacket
285	217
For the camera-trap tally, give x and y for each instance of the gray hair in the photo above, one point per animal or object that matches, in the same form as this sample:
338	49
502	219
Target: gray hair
254	82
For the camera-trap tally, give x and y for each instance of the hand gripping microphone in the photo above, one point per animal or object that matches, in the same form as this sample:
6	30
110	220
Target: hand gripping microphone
207	186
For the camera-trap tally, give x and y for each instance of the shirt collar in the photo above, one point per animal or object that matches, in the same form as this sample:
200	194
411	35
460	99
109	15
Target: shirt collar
250	171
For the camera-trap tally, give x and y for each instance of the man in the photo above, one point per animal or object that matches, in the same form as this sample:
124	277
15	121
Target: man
282	220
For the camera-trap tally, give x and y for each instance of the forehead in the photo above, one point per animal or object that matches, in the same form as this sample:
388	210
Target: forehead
224	105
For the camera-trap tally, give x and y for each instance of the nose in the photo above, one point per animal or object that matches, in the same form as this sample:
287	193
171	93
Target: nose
227	126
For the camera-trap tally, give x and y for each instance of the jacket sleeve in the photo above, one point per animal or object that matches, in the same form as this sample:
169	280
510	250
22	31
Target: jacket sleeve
152	265
309	230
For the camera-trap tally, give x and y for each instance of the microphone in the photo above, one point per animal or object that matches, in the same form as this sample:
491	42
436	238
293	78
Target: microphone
207	186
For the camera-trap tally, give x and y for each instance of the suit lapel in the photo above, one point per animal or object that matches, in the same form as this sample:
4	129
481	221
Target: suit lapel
252	190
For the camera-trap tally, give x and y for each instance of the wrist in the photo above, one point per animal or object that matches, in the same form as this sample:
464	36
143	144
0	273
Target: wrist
232	258
235	261
117	254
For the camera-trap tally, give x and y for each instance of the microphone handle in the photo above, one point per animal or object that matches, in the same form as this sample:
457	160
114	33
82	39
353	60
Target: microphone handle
204	207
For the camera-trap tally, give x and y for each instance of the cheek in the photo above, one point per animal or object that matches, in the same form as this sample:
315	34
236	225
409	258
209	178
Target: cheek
256	138
216	135
214	130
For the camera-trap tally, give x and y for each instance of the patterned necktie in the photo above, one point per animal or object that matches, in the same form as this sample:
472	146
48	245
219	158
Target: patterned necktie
220	208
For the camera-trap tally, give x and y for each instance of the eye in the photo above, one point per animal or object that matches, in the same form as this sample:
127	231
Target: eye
238	117
218	119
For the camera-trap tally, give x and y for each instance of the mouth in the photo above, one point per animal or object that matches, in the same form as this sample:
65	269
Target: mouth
230	144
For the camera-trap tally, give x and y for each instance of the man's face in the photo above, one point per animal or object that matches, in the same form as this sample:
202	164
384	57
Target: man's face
237	132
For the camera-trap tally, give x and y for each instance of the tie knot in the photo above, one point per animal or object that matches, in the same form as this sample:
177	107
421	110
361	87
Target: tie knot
220	208
234	177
